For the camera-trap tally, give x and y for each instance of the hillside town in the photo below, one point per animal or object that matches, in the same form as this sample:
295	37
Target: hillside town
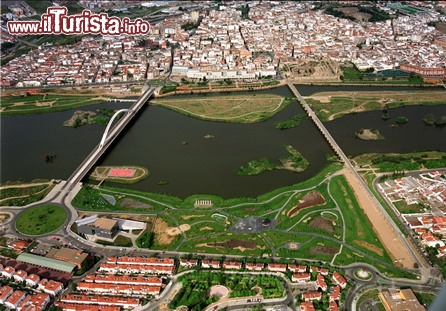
220	42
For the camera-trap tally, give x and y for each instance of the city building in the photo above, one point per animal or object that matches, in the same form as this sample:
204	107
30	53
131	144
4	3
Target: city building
101	227
400	300
73	256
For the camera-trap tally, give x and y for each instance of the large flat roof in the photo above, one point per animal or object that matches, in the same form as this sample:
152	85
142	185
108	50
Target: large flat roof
46	262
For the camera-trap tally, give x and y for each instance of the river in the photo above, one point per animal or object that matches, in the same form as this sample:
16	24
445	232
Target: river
156	139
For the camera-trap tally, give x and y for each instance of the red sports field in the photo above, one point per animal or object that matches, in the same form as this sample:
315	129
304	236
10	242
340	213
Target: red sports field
121	172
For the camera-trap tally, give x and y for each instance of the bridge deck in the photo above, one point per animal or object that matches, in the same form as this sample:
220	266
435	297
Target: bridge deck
99	150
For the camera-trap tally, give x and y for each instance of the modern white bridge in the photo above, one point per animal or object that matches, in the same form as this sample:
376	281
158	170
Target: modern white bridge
109	136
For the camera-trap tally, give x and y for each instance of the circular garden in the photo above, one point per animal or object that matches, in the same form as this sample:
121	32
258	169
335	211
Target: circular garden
41	219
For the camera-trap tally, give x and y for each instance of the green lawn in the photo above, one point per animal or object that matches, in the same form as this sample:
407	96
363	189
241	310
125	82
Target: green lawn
41	219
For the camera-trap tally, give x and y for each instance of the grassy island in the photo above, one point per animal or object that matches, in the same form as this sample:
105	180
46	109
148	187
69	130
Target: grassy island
295	163
80	117
240	108
293	122
369	134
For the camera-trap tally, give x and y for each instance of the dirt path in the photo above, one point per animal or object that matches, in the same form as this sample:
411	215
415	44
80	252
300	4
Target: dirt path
396	248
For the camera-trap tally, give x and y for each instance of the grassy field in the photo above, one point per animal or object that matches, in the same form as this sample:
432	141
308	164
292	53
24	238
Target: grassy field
227	108
41	219
332	105
45	103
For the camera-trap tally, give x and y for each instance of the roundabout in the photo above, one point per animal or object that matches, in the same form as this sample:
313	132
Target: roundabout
40	219
363	274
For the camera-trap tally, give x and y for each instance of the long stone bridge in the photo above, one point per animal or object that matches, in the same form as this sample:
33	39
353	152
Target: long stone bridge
107	139
360	183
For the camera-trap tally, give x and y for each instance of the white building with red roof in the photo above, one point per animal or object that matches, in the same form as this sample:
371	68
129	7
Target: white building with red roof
251	266
32	280
277	267
307	306
338	279
236	265
210	263
124	302
8	272
5	292
35	302
320	282
14	300
335	293
20	275
188	263
301	277
312	295
50	286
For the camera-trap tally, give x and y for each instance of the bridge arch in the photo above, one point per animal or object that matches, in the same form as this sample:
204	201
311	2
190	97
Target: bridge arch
107	129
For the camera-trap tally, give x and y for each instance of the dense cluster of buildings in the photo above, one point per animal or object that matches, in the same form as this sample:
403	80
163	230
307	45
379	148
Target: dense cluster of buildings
427	190
226	45
14	298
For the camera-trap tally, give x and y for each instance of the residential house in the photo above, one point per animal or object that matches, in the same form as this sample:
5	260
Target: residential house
335	293
20	275
277	267
50	286
251	266
13	301
307	306
237	265
5	292
312	295
188	263
8	272
301	277
338	279
32	280
320	282
209	263
297	268
35	302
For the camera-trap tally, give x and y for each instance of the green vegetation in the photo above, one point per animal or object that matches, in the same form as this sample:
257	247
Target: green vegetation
168	88
189	26
45	103
120	240
317	228
295	162
432	254
145	240
237	108
293	122
41	219
425	298
394	162
401	120
335	105
196	285
430	119
14	195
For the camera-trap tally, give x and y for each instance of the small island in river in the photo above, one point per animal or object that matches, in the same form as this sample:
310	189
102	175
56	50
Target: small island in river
295	163
89	117
369	134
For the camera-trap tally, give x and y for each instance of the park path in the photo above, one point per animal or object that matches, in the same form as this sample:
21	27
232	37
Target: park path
389	238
